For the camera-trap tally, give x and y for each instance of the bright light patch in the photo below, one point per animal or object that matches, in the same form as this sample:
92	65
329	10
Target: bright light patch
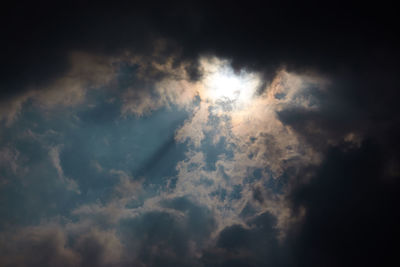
223	84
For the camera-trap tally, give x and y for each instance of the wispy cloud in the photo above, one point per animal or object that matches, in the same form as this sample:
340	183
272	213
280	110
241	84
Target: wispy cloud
54	154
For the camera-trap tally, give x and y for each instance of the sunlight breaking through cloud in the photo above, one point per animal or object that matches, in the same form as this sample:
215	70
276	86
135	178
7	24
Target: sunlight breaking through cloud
222	84
241	157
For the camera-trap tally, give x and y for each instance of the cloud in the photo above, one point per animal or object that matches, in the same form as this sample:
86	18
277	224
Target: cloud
99	248
11	164
110	213
254	245
51	244
152	238
9	110
86	71
54	153
158	85
286	180
350	208
244	158
300	37
170	238
37	246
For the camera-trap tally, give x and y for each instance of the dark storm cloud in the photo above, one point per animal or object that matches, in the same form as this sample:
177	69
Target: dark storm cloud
351	217
39	36
352	44
254	34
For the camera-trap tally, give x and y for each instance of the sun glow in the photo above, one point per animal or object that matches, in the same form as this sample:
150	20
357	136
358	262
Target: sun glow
223	84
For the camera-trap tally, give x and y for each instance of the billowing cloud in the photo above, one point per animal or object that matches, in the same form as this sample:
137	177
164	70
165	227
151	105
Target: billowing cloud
37	246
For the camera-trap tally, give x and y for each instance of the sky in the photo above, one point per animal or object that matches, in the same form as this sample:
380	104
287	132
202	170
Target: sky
199	133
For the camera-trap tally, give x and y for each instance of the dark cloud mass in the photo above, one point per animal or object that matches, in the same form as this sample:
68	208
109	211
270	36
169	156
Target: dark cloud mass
113	153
